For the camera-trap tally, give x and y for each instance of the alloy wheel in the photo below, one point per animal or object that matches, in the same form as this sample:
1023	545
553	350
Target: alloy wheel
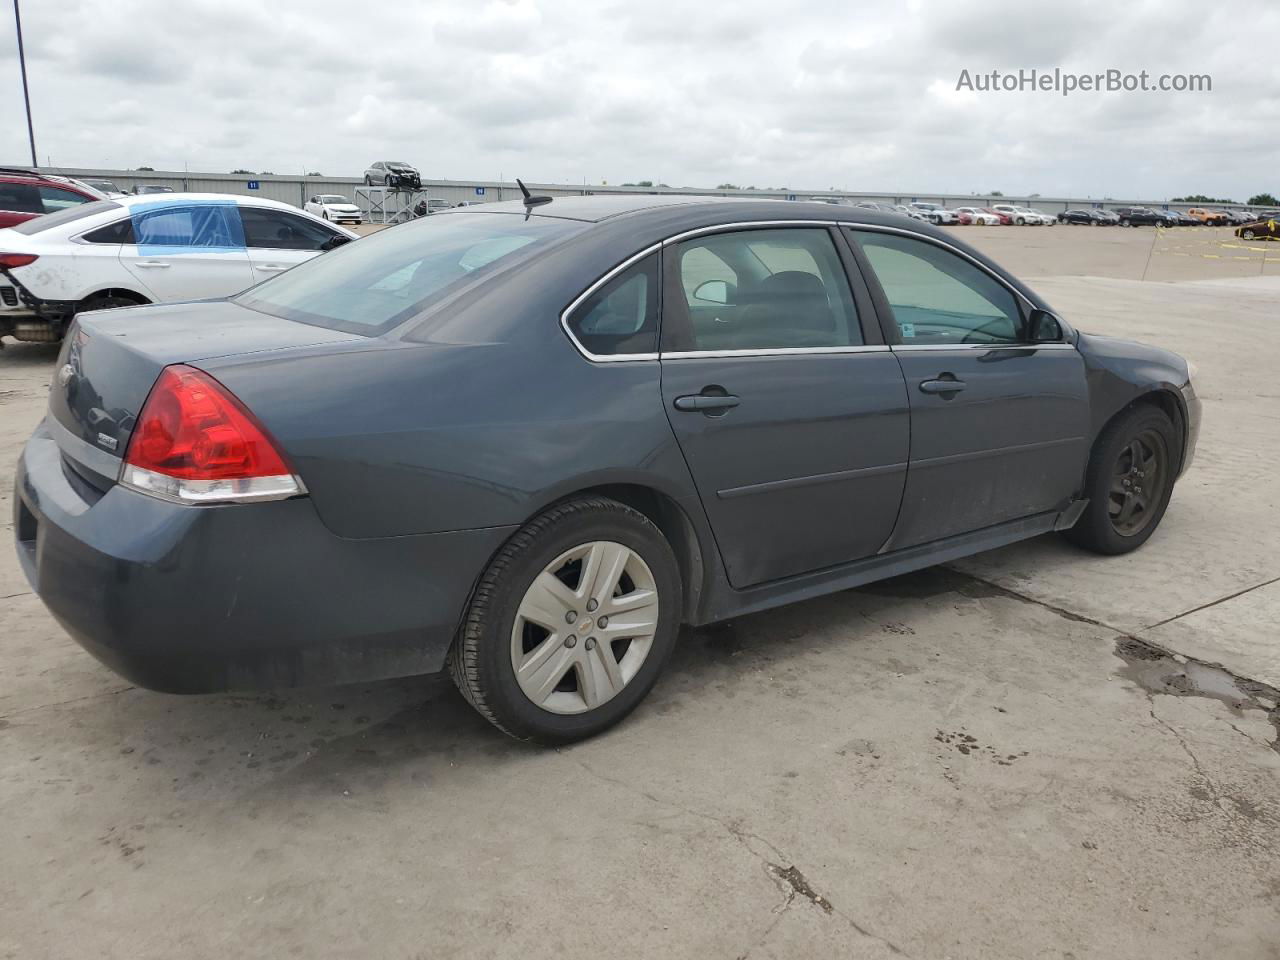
1137	483
584	627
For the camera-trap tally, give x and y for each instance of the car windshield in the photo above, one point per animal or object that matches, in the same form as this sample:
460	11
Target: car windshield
333	199
68	215
102	185
381	281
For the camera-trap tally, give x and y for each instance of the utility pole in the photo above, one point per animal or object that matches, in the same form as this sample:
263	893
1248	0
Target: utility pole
26	95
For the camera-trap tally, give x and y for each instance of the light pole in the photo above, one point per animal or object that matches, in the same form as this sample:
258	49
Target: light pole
26	95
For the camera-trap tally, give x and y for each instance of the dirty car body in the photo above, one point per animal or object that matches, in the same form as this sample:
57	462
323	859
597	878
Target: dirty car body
792	395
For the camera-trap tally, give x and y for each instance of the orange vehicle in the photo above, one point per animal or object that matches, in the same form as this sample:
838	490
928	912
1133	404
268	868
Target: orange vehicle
1214	218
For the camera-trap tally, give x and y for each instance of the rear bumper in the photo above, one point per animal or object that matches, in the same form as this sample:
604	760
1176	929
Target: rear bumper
250	596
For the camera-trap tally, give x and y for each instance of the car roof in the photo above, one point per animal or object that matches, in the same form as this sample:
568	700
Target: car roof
595	209
150	199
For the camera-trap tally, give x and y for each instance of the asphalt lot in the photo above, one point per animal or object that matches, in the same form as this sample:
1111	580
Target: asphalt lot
983	761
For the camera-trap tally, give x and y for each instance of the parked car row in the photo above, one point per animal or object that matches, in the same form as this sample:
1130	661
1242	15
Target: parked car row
1146	216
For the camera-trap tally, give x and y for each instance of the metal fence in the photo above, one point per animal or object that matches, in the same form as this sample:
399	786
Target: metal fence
297	190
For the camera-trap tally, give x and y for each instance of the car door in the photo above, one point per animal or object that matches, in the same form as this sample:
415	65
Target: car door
790	411
187	249
999	419
277	240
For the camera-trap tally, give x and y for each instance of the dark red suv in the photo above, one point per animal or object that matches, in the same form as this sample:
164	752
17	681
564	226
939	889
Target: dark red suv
24	195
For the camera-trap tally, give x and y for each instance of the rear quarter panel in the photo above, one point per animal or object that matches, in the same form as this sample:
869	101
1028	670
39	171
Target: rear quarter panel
408	438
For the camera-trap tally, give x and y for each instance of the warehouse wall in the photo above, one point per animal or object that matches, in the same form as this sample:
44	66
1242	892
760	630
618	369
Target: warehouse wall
296	190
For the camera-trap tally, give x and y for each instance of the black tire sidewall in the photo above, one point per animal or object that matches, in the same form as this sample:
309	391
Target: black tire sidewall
512	710
1094	529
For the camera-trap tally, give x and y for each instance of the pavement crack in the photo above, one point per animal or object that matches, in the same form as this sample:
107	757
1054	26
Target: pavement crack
62	703
1214	793
1214	603
789	879
990	588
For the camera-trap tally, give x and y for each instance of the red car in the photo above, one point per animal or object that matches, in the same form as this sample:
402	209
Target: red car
25	195
1005	219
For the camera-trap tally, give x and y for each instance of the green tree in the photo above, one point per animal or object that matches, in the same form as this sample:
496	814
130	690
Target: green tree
315	173
249	172
1263	200
148	169
995	193
728	186
1201	198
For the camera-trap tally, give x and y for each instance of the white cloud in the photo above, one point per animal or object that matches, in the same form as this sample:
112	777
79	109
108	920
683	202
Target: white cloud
807	95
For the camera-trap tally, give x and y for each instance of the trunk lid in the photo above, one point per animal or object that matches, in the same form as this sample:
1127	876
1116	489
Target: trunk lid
111	359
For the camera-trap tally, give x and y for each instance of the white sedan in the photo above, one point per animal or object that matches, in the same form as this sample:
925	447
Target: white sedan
980	217
147	249
334	208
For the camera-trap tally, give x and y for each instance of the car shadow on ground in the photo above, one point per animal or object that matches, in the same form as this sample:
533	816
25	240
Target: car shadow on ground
356	737
17	355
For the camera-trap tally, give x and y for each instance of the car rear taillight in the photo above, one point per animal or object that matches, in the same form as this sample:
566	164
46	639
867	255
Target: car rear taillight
10	260
194	442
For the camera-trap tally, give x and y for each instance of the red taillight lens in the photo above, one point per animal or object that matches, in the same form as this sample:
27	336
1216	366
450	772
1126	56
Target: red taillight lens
10	260
194	442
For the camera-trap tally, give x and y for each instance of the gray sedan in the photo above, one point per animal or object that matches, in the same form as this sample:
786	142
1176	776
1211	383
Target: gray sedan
526	442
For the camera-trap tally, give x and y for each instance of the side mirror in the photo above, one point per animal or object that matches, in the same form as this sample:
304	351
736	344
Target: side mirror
336	240
1044	327
714	291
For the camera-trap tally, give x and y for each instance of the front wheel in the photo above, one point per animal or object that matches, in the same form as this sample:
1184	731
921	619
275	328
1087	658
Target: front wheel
571	623
1129	482
1246	234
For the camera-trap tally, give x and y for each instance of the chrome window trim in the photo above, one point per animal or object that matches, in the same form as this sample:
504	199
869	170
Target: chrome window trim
747	225
792	351
1051	345
772	352
564	314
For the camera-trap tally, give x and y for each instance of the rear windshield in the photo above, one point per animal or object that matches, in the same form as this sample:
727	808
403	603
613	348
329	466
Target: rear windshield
69	215
376	283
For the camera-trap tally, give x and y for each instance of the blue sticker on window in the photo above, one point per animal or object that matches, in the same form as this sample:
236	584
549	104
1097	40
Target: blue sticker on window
167	228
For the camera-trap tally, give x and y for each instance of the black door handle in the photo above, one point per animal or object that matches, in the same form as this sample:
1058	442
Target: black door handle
706	402
942	385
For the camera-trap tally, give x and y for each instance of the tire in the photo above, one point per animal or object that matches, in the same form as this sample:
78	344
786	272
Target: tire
107	301
1246	234
1020	222
325	215
1124	222
495	631
368	180
1114	472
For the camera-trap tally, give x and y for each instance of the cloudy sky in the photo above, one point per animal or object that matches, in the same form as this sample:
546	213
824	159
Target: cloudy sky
858	95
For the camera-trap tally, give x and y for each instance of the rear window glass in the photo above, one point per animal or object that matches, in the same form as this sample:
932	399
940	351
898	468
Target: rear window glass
69	215
382	280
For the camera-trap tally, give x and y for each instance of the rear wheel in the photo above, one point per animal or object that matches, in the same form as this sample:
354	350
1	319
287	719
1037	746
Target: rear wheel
108	301
1129	482
571	623
1246	234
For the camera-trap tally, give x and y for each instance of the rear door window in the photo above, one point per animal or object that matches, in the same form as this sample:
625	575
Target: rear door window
168	227
20	198
777	289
